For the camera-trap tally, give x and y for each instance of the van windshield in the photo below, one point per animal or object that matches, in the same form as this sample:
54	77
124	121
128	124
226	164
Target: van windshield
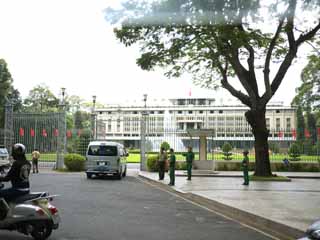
102	150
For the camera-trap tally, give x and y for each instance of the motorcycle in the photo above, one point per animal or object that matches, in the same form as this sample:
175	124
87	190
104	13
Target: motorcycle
31	214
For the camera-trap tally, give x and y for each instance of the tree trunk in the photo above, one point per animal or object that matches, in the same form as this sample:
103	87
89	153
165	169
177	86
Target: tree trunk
257	121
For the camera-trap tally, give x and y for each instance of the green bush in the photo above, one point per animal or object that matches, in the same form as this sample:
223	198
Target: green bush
294	152
181	165
226	149
274	147
165	145
74	162
152	163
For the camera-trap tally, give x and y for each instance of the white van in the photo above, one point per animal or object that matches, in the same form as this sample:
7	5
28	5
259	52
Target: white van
106	159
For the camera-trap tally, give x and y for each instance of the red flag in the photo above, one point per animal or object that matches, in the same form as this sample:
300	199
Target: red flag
318	132
280	134
21	132
32	133
44	133
55	132
189	92
294	133
306	133
69	134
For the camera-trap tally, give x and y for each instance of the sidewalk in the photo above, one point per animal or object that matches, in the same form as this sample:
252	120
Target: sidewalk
295	204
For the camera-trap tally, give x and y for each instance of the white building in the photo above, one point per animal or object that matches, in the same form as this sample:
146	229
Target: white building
176	116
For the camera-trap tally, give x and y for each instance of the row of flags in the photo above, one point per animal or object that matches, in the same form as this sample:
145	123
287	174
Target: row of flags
44	132
294	133
55	133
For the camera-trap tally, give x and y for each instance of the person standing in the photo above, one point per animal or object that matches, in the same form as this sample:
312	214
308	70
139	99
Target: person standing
189	159
162	162
245	167
35	159
172	167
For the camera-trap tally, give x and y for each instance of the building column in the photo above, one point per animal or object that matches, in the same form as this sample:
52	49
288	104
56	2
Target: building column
203	148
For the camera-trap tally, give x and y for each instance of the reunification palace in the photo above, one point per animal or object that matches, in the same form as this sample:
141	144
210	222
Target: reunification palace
173	120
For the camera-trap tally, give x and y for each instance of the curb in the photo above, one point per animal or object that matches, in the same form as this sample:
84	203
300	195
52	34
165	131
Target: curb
273	228
239	176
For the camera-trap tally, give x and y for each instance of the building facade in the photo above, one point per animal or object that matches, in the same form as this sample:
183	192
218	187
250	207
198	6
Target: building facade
173	118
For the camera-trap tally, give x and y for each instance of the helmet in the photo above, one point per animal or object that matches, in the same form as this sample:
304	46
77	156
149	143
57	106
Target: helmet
18	150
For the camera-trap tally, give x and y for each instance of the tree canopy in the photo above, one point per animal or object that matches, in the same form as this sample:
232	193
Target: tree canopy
246	46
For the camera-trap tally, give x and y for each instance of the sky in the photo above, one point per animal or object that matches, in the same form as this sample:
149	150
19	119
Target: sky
68	43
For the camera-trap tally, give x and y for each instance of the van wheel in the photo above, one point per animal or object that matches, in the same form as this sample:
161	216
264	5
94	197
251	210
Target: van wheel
119	176
89	176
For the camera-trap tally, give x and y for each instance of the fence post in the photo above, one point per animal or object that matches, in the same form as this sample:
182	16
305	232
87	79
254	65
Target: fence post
8	126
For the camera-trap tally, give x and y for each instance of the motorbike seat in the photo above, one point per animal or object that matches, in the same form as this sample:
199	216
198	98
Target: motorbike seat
30	196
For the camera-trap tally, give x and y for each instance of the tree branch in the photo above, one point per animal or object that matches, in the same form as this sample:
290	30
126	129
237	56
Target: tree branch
266	70
224	82
308	35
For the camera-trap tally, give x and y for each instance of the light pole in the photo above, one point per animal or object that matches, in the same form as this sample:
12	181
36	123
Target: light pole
93	117
62	143
143	125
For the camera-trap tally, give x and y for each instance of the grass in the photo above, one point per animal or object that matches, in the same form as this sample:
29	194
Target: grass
272	179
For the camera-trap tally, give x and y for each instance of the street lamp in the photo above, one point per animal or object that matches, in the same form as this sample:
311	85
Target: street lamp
93	117
143	130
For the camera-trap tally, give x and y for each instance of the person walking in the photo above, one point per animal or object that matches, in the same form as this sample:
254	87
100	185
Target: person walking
172	167
245	167
189	159
162	162
35	159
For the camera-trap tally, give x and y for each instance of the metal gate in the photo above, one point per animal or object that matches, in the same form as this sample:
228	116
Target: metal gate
45	132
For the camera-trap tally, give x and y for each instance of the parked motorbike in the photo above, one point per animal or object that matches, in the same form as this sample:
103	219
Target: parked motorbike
31	214
313	232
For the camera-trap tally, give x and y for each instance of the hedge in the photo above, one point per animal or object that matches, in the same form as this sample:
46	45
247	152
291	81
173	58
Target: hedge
74	162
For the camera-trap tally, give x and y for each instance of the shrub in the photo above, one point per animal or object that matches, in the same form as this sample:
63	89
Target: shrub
274	147
74	162
294	152
181	165
165	145
226	149
152	164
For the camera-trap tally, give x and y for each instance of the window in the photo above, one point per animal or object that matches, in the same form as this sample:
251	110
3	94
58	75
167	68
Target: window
100	150
288	123
179	112
277	124
181	102
211	111
190	112
220	111
268	123
277	111
201	112
201	101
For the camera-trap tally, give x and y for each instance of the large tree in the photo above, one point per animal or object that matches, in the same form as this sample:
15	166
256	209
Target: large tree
41	99
7	91
224	41
308	93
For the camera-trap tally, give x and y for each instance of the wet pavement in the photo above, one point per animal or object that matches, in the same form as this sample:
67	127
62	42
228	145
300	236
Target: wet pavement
295	204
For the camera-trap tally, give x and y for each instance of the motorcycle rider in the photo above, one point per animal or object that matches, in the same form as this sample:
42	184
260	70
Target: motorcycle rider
18	175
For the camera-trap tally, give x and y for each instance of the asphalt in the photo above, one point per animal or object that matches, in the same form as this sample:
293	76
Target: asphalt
279	208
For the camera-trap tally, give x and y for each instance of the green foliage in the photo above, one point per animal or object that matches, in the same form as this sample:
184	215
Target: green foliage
226	149
74	162
41	99
274	147
83	142
300	125
294	152
152	163
165	145
5	88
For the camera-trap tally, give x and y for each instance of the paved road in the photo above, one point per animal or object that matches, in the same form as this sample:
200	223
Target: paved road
129	209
